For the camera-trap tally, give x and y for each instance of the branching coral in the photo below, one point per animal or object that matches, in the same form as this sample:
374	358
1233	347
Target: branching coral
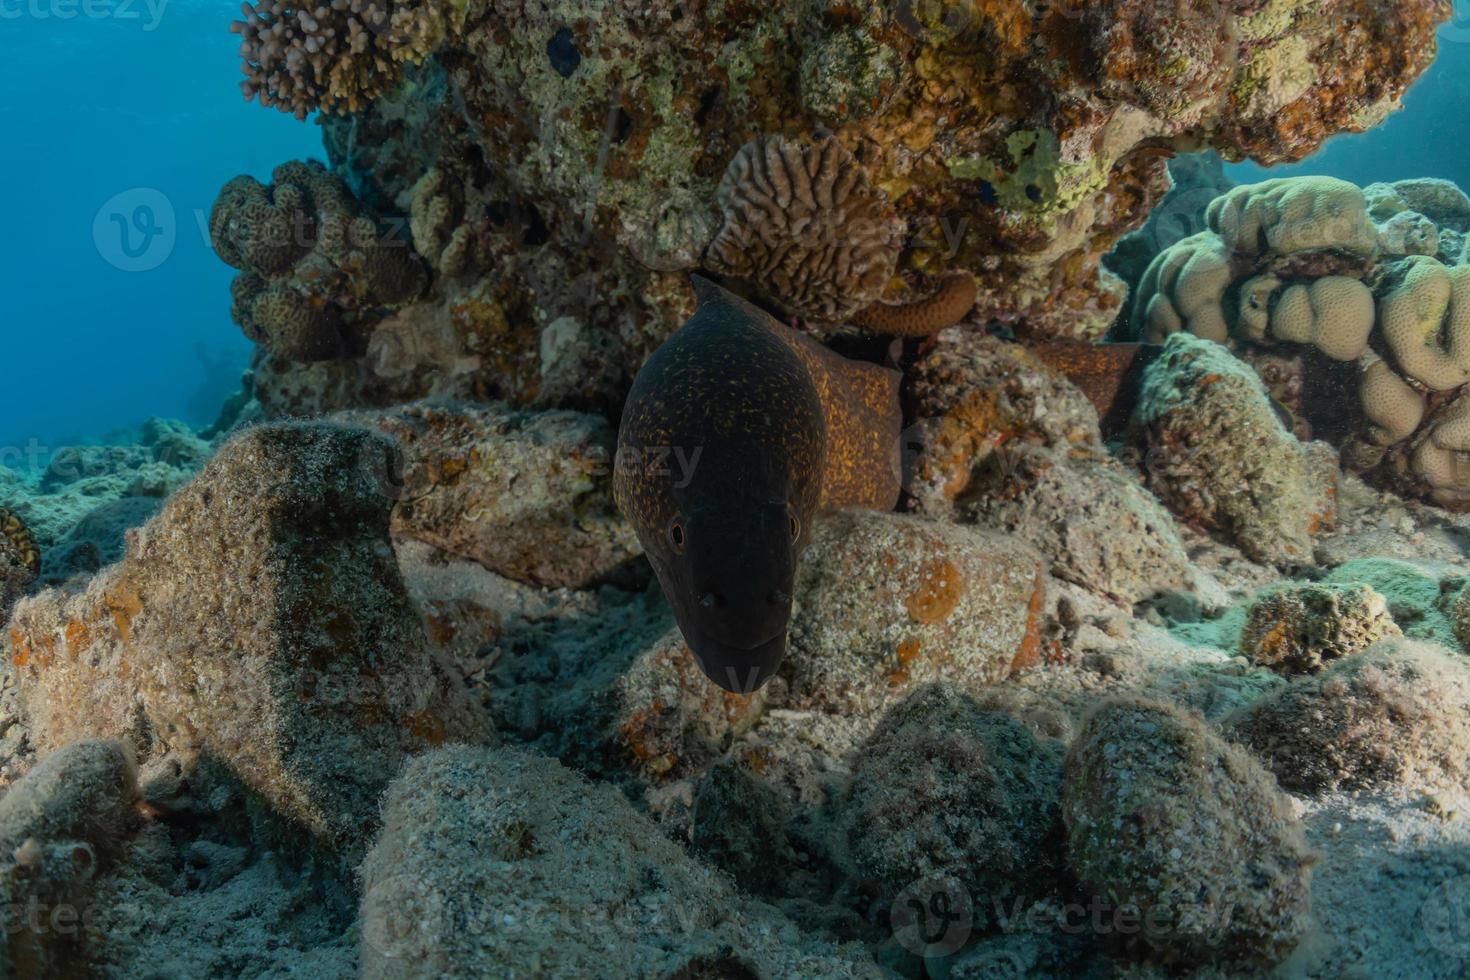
315	269
335	57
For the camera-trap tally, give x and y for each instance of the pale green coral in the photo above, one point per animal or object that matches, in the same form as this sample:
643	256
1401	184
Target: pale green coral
1276	75
1035	179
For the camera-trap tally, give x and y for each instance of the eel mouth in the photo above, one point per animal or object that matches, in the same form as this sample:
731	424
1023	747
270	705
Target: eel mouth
736	668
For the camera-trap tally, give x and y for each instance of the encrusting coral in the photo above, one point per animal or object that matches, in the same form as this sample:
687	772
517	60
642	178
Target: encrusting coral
580	149
335	57
316	270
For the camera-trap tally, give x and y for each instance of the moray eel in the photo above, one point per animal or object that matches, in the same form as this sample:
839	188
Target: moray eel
738	432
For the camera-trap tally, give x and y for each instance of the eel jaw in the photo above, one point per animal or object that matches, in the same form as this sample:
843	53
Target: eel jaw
737	670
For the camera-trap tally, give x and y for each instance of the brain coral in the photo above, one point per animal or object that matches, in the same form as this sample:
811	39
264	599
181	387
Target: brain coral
802	221
1012	142
334	57
315	269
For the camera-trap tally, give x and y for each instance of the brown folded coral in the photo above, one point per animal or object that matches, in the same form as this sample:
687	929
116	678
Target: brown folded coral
17	540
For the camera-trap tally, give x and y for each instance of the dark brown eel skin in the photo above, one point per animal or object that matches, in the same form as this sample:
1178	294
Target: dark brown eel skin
737	434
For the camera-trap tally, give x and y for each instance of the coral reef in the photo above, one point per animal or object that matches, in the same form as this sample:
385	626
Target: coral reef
1308	271
562	165
1217	454
1393	714
316	270
1166	819
1297	629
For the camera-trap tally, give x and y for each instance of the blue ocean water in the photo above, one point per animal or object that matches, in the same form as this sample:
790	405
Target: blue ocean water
121	120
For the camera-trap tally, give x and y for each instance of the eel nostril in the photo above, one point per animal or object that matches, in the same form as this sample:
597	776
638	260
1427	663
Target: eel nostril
711	600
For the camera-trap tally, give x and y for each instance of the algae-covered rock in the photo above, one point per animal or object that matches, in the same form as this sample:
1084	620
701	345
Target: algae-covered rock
1395	714
62	824
498	862
955	786
1167	820
258	627
1295	630
663	717
887	602
1090	517
1217	454
972	394
526	494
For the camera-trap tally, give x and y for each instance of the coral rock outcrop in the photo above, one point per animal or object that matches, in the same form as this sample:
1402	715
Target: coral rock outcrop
259	630
1216	453
572	156
1167	819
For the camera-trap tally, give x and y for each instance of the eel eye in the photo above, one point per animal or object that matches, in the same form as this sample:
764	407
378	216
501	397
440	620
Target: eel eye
676	536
